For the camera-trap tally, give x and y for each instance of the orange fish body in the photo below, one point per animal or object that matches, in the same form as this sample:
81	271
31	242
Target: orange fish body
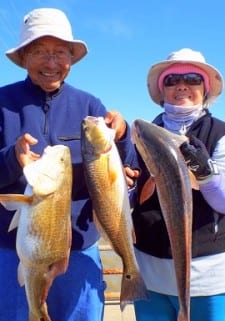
43	226
108	190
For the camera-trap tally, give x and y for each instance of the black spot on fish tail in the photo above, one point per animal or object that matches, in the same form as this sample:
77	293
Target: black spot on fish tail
133	289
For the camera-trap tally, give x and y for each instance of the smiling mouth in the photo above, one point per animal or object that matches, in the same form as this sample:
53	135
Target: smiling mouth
183	97
47	74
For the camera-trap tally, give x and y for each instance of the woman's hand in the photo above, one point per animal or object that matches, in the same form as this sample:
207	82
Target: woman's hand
197	158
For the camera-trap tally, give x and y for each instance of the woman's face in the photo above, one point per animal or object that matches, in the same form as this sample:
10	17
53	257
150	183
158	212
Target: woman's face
48	62
182	92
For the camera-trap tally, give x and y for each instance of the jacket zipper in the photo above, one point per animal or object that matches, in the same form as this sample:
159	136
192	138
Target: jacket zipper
46	108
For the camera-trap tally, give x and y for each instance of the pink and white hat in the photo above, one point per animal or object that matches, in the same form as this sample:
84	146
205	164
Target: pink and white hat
47	22
179	62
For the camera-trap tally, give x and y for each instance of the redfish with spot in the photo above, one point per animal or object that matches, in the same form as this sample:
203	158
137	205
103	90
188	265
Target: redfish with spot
108	190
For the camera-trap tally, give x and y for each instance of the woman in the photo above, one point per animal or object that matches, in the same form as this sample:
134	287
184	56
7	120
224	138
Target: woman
184	85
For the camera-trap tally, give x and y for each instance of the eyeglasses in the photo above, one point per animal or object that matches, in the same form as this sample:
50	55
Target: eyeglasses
191	79
58	56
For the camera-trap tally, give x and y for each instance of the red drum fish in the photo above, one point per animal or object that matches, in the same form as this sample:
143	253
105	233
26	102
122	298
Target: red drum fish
160	151
43	225
109	194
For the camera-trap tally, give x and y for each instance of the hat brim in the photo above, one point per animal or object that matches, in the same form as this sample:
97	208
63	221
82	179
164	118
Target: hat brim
215	78
78	47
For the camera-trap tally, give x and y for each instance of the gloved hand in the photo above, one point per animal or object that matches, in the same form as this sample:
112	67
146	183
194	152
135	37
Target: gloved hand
197	158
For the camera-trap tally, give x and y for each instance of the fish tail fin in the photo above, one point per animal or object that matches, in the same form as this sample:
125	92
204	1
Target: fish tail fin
35	286
45	316
44	310
32	317
132	289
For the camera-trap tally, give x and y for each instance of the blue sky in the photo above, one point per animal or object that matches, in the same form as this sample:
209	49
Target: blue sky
125	38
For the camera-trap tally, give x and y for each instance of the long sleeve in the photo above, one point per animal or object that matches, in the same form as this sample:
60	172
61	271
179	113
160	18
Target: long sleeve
10	170
127	150
213	190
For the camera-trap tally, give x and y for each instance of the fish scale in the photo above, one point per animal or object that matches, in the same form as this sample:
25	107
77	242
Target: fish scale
111	187
109	194
43	221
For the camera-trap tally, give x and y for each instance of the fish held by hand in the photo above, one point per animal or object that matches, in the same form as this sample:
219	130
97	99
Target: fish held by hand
43	226
160	152
108	190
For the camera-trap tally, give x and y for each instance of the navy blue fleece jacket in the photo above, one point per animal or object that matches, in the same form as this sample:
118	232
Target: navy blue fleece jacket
52	118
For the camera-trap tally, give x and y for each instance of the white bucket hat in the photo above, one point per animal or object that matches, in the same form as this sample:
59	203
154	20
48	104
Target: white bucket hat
46	22
184	56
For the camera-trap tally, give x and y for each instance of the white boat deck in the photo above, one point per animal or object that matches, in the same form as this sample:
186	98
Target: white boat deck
113	313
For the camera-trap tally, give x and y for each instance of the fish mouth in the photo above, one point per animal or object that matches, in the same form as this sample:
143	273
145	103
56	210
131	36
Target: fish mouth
93	120
90	122
98	134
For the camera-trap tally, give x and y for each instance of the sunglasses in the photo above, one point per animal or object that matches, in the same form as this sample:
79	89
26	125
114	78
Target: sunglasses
191	79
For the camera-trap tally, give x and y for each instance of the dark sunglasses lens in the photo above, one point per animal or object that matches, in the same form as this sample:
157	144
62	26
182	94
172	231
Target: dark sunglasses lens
191	79
171	80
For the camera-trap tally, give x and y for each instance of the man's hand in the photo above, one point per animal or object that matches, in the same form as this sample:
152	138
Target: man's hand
22	148
131	176
114	119
197	158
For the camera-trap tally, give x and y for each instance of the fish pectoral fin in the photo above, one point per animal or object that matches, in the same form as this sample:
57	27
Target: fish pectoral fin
15	221
147	190
12	202
193	180
112	171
